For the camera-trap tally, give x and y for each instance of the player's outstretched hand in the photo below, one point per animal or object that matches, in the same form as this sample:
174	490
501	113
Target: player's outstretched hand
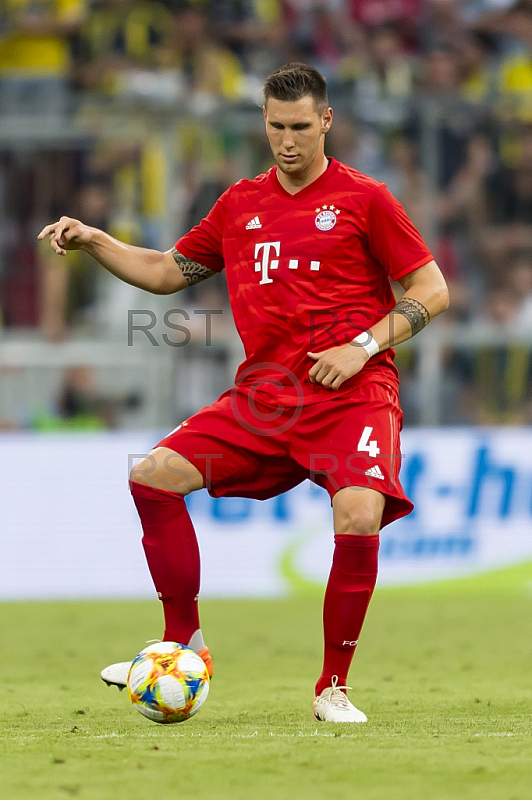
67	234
337	364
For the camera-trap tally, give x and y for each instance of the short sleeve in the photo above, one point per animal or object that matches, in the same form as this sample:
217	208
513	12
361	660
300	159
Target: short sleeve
204	243
393	240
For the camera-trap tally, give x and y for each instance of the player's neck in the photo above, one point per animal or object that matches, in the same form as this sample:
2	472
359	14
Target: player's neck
294	183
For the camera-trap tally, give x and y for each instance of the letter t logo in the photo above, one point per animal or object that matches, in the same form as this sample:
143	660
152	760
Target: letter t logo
262	266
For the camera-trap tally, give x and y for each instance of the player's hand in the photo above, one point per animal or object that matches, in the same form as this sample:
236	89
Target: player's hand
336	365
67	234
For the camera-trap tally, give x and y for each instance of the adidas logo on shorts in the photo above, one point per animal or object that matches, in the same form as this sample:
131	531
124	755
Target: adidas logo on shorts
253	224
374	472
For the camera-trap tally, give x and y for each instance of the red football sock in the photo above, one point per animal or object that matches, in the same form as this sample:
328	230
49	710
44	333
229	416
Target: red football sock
349	589
173	557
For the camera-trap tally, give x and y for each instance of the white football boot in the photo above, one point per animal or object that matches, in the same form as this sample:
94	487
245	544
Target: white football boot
332	705
116	674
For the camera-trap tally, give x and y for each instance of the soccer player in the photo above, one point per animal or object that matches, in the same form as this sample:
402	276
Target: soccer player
309	249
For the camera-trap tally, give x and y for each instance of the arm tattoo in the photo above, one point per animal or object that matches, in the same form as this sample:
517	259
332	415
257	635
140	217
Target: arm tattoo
415	312
192	271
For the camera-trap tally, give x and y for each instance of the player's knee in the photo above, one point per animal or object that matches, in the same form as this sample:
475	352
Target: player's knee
167	471
144	471
356	513
360	524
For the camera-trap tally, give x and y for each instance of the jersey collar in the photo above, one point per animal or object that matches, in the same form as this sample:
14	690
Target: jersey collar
324	178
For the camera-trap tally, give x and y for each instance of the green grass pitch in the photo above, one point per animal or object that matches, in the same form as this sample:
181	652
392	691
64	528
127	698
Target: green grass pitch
443	673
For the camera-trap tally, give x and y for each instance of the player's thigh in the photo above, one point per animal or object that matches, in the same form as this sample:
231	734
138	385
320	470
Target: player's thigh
223	443
353	443
357	510
165	469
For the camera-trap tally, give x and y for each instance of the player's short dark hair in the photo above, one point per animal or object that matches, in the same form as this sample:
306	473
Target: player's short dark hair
294	81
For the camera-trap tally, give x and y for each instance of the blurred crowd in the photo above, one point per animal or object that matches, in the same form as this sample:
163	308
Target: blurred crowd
434	97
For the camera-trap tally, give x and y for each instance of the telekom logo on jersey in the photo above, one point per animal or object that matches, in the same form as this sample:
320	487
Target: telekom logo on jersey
267	262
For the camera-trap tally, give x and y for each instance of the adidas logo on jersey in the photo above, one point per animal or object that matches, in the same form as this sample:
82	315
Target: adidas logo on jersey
374	472
253	224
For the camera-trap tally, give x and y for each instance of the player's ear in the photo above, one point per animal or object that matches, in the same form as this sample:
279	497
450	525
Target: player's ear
326	119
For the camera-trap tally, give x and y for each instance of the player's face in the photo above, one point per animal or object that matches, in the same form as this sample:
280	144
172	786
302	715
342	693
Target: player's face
295	131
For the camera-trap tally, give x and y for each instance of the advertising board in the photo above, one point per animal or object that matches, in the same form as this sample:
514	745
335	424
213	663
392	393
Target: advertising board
69	528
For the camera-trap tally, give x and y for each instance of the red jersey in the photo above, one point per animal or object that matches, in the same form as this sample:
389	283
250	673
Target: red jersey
306	272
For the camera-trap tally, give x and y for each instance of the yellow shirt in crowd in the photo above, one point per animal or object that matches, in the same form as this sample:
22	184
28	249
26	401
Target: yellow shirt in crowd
24	52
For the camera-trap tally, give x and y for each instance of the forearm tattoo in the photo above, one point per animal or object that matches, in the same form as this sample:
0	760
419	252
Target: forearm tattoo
415	312
192	271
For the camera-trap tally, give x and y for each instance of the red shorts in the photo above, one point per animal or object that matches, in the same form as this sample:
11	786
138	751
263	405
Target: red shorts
245	448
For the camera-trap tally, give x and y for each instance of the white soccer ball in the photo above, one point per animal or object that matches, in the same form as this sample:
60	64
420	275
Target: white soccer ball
168	682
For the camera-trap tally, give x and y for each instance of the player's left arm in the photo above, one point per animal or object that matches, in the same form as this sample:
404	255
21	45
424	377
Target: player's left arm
426	295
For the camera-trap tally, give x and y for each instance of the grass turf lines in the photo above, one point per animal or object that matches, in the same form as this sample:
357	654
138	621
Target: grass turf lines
443	673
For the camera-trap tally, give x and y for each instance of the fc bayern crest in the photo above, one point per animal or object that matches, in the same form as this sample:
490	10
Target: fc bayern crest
326	218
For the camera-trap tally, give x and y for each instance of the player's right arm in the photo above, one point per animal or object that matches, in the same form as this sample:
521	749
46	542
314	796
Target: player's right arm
152	270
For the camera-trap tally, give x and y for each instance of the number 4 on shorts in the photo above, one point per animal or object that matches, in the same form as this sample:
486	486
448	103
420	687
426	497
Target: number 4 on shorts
365	445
